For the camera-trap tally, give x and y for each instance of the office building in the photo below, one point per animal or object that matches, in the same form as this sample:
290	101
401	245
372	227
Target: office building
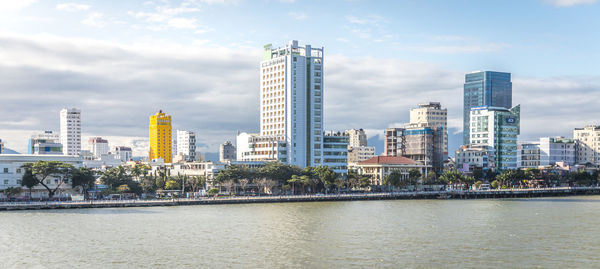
499	128
547	151
70	131
485	88
186	145
291	97
227	152
432	115
160	138
98	146
47	142
335	151
123	153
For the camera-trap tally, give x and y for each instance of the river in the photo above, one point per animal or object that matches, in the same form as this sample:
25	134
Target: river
504	233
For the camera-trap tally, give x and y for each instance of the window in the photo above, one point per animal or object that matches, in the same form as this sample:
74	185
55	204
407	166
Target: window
5	170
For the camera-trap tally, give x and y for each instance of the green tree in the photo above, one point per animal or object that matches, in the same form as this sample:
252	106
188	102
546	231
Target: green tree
172	185
478	184
84	178
326	175
12	191
478	173
45	171
413	177
495	184
28	180
452	177
510	177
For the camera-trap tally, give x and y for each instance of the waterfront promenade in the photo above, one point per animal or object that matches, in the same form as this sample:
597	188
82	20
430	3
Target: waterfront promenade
446	194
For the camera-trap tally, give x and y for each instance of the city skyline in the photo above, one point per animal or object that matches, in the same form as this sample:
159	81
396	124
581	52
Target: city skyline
211	86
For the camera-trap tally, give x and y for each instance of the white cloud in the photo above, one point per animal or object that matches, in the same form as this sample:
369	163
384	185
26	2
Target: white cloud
182	23
72	7
95	19
298	15
569	3
458	48
14	5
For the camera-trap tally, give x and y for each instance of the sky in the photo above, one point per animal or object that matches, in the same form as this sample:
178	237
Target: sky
121	61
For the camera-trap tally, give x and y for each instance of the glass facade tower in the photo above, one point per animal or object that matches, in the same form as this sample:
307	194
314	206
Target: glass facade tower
485	88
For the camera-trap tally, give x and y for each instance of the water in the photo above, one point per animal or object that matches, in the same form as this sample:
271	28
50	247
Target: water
543	232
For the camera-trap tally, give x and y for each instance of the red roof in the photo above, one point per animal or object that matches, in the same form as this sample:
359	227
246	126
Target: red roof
389	160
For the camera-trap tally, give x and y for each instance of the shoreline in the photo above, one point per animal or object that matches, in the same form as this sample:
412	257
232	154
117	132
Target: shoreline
450	194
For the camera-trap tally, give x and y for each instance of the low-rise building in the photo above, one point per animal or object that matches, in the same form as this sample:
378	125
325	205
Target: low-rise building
123	153
254	147
547	152
380	166
359	154
98	146
469	157
47	142
11	172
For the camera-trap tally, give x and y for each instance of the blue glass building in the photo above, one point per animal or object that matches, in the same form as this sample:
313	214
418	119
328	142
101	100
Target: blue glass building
485	88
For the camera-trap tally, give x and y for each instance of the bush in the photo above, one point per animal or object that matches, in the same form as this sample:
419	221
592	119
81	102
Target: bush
213	192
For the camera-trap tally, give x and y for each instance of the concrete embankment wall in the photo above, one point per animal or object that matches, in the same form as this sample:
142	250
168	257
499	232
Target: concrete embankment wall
286	199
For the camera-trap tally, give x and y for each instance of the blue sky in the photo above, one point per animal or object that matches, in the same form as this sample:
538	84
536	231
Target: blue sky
120	60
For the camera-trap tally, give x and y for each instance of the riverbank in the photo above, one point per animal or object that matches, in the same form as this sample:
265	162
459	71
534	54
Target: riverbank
449	194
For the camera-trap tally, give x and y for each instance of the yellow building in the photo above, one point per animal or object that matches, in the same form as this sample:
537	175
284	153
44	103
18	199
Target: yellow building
160	137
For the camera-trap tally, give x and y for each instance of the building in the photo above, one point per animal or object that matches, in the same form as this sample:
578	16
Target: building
432	115
160	137
380	166
485	88
255	147
557	149
588	144
469	157
186	145
11	172
358	138
528	155
359	154
123	153
98	146
499	128
1	147
70	131
291	97
422	144
47	142
227	152
335	151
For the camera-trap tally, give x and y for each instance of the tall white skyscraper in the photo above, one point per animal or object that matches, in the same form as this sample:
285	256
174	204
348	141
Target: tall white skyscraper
291	96
186	144
70	131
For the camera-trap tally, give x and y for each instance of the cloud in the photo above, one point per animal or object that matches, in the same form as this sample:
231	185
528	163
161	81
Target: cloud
298	15
214	91
175	17
569	3
469	47
94	19
13	5
182	23
72	7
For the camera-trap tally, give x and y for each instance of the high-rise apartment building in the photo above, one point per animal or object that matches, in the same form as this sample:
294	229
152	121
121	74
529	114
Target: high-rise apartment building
291	97
588	144
160	137
255	147
358	138
499	128
47	142
98	146
70	131
227	152
485	88
186	145
432	115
